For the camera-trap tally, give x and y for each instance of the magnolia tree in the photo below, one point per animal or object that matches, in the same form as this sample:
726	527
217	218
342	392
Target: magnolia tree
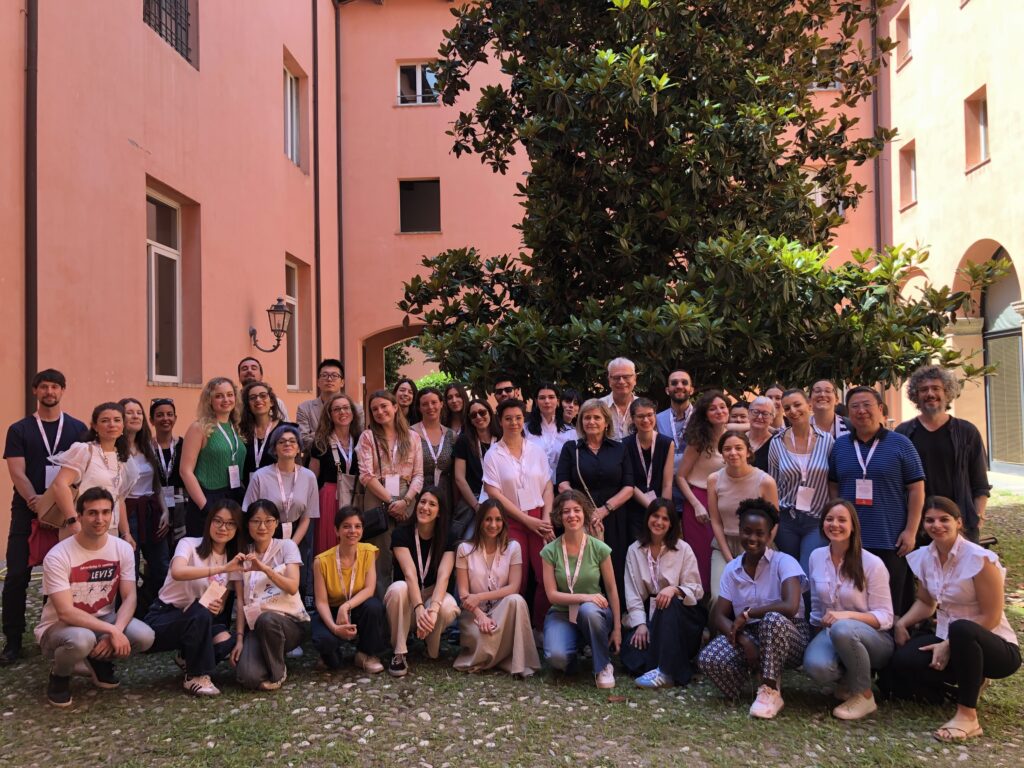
668	212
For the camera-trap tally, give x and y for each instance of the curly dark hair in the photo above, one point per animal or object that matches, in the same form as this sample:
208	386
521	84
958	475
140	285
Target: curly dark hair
699	431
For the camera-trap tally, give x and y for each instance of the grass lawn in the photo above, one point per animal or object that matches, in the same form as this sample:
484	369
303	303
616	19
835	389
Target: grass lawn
436	717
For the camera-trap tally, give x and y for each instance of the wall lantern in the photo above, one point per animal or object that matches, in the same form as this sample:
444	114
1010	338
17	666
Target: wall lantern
279	317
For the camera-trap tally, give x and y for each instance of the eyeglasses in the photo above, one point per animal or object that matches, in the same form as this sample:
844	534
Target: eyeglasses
331	376
265	522
622	377
477	414
504	390
287	441
258	396
224	525
760	414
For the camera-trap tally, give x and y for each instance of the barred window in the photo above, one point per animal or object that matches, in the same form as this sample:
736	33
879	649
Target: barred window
170	19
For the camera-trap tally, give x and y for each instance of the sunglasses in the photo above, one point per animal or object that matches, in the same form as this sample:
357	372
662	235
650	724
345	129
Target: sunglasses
504	390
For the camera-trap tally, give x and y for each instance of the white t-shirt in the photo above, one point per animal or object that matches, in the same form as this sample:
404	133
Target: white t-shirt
257	586
144	471
550	440
521	481
181	594
92	575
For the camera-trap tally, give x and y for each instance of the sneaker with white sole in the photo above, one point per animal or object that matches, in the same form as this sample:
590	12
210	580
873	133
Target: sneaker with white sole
855	707
201	685
370	664
606	677
398	666
654	679
295	653
269	685
767	704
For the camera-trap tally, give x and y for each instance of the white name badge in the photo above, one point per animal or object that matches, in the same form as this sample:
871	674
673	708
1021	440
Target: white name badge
168	494
286	530
51	474
804	498
650	496
864	493
392	484
234	476
574	612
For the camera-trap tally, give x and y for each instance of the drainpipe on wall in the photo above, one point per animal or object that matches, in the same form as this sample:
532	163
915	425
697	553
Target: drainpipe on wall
31	201
337	178
879	197
316	185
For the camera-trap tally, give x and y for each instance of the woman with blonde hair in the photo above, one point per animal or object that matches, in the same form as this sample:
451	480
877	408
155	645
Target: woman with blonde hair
333	460
212	453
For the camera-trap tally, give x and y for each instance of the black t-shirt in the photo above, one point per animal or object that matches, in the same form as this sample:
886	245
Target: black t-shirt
465	449
761	456
165	460
936	452
328	469
24	441
405	536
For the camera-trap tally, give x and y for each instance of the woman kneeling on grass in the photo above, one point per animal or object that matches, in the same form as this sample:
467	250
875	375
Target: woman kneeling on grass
495	624
344	582
962	584
575	564
759	614
186	616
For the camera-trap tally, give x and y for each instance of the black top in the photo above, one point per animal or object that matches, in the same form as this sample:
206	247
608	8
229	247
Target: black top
603	474
936	452
661	447
249	465
24	441
405	536
328	469
465	449
174	481
761	456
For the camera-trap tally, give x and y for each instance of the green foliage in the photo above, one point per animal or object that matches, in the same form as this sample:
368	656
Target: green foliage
436	380
673	146
396	357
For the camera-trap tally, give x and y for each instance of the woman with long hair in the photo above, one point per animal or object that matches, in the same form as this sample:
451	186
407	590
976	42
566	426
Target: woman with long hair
148	515
212	453
653	458
100	460
456	401
851	612
259	416
545	426
494	629
332	458
424	555
391	470
438	441
481	432
700	459
188	614
405	393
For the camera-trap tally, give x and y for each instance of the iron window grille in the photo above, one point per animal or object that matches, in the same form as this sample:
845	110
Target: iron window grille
170	20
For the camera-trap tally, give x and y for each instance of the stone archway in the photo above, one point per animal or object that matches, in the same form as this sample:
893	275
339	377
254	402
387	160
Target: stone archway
373	353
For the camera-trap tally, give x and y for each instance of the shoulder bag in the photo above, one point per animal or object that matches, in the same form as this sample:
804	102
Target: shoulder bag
596	528
375	513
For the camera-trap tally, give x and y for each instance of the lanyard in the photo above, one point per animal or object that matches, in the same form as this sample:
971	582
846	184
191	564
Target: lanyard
257	447
422	575
861	460
256	573
352	574
286	500
42	433
232	445
426	439
654	566
570	581
168	466
648	469
335	448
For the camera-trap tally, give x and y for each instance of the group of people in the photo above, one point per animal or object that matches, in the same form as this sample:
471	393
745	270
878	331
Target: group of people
732	538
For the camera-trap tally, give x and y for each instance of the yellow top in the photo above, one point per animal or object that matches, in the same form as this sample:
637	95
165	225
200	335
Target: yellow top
337	583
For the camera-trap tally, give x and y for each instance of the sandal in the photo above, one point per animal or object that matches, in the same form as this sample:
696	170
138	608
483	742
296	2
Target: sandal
957	731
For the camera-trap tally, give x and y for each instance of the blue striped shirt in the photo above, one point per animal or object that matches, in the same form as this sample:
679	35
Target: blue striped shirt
783	467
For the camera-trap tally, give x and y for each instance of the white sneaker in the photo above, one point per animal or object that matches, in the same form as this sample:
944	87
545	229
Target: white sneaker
295	653
606	677
370	664
855	707
201	685
767	704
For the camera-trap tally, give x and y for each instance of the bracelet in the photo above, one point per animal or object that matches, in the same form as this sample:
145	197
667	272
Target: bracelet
609	507
418	605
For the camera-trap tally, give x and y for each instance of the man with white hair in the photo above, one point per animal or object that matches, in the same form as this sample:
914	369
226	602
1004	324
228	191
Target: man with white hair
621	382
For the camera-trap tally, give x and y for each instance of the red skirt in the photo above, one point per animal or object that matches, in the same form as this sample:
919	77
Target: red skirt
326	535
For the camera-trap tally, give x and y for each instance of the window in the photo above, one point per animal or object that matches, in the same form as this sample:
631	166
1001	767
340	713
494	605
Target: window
163	249
176	21
416	84
819	198
291	299
420	204
292	123
908	175
903	51
976	128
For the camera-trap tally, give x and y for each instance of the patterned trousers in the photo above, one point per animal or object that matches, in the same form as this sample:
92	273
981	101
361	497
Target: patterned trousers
781	641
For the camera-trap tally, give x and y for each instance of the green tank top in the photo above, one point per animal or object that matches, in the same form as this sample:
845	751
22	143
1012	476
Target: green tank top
223	448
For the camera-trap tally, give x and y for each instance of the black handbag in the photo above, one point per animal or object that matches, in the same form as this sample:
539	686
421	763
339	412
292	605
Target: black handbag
375	517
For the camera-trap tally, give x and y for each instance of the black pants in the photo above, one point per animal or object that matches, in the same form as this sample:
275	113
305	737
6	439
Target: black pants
899	573
195	518
674	636
191	632
18	574
372	638
974	654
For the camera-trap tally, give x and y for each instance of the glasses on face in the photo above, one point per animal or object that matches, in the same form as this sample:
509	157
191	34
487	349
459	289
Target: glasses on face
341	409
263	522
477	414
330	377
504	390
287	441
622	377
255	396
224	525
760	414
643	417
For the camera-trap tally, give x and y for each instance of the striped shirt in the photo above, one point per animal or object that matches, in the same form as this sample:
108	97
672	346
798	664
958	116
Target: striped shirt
784	468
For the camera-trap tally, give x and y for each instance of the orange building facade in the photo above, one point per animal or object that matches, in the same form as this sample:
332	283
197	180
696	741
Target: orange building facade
194	160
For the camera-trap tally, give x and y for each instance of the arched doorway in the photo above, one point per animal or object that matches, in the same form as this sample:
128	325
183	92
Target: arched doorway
373	353
1004	392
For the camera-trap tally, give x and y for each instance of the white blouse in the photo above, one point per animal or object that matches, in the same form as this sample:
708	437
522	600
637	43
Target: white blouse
95	468
646	577
765	588
952	584
521	480
830	591
550	440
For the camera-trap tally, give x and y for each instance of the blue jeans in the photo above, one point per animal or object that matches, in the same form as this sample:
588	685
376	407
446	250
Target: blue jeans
799	536
846	653
562	639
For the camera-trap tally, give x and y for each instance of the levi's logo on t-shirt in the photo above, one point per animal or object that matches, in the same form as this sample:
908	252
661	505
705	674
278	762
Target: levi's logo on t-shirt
94	584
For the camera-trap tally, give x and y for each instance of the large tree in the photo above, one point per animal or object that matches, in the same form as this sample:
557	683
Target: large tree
673	150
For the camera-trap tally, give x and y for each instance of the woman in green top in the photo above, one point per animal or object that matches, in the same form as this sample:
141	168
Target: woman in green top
212	453
574	566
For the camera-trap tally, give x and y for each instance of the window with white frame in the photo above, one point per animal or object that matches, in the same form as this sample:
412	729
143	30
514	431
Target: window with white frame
416	84
292	121
291	299
163	253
